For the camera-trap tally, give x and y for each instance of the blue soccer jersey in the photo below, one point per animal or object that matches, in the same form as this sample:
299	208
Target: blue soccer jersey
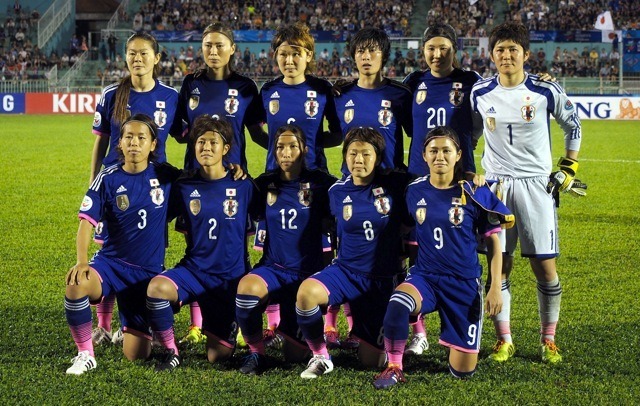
294	212
214	214
134	208
234	99
446	226
438	102
369	220
159	103
386	109
305	105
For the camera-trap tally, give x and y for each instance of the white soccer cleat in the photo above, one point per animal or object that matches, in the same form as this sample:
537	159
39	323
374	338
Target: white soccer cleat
82	363
100	336
318	365
118	337
418	345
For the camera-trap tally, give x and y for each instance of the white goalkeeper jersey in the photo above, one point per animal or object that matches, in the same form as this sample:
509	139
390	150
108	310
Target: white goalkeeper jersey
516	125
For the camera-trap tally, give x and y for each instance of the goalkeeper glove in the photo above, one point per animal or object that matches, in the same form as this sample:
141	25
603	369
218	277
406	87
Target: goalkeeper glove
564	179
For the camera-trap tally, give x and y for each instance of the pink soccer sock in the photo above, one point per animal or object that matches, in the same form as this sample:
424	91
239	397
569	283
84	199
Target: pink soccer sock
394	349
196	315
104	311
273	316
318	347
418	326
167	339
255	343
82	337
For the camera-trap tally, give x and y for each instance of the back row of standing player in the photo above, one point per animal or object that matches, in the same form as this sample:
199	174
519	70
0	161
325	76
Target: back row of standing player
439	96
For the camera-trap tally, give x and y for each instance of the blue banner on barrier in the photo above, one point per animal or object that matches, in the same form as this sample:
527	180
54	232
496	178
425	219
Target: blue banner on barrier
12	103
258	35
566	36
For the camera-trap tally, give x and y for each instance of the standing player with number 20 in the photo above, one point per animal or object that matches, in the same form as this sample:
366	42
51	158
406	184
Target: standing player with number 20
515	108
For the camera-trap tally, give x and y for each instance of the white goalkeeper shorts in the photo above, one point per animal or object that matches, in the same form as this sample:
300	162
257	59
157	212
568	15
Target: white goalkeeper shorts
536	218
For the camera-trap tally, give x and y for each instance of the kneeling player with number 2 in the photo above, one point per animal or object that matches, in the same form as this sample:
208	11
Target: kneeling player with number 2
446	277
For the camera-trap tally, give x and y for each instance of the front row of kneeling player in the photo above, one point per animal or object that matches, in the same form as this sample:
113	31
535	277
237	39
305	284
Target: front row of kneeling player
369	211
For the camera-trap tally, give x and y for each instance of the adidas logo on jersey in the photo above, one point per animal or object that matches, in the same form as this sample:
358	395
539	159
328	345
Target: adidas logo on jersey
422	86
195	193
121	189
350	103
422	202
491	110
275	95
195	91
347	199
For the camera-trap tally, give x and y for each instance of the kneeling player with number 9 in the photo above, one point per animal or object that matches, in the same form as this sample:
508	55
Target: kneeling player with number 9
446	277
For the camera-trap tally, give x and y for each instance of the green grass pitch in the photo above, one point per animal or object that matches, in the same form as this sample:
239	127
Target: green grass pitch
44	167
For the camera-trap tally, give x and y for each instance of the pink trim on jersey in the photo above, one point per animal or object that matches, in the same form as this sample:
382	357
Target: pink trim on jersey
136	333
218	339
99	242
101	134
411	242
257	248
327	249
492	231
83	216
455	347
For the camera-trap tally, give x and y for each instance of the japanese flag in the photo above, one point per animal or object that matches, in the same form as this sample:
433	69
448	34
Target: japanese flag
604	21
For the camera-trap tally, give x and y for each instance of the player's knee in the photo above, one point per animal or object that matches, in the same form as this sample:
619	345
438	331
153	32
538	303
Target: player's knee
161	288
218	352
310	294
252	285
371	357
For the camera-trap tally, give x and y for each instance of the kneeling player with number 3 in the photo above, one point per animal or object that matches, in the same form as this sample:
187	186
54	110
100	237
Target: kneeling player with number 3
446	277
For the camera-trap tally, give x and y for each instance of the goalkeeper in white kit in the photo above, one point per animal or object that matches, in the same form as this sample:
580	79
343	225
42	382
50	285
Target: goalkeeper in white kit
516	109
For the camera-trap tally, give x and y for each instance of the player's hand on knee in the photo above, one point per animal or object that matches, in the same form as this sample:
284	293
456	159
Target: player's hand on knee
78	273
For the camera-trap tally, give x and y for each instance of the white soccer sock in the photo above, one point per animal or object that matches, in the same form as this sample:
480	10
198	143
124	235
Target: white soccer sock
549	297
502	321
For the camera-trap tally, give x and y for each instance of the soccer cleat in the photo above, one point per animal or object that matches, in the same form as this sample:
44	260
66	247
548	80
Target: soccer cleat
350	343
118	337
417	345
194	335
253	364
272	339
332	338
388	378
82	363
318	365
100	336
550	352
169	362
502	351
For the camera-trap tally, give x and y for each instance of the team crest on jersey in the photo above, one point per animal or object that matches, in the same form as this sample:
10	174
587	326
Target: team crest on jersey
348	115
456	215
97	119
157	196
347	212
194	101
274	107
195	206
305	195
528	113
383	205
456	95
122	201
384	117
86	204
160	117
421	96
491	123
99	227
231	105
230	207
421	215
262	236
311	107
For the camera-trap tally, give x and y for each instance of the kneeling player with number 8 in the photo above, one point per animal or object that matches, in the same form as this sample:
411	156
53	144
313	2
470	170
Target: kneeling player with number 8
448	213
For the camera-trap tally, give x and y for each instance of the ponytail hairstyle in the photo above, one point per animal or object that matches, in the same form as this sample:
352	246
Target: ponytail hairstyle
221	29
124	87
296	35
